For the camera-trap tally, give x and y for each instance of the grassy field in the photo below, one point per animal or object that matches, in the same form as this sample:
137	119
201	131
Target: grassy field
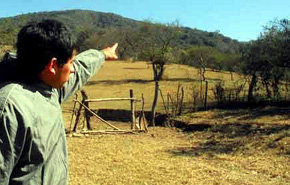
115	79
245	146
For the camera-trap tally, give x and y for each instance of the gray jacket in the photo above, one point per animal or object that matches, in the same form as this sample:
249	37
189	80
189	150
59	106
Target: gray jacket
32	136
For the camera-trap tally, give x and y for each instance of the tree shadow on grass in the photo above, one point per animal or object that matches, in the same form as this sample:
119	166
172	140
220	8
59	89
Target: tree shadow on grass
135	68
232	138
118	82
271	111
141	81
190	80
254	113
232	130
210	148
237	130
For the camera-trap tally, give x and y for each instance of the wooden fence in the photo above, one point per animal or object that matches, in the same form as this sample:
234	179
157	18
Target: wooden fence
138	124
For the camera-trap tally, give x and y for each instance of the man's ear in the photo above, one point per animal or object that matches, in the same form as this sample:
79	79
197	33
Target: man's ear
51	67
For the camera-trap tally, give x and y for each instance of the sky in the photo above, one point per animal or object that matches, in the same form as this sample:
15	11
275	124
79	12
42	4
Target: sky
242	20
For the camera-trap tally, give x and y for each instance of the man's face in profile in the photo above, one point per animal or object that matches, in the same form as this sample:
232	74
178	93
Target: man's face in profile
63	72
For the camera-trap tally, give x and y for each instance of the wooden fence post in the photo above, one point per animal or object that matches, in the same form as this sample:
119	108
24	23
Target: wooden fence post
133	125
205	95
73	112
87	113
77	118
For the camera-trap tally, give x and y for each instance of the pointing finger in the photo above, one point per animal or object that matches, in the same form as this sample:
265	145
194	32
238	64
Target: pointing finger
115	46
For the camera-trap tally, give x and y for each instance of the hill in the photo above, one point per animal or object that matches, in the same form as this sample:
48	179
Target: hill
84	21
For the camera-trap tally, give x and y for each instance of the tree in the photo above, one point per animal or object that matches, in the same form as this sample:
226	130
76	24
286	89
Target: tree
156	45
279	36
267	59
201	57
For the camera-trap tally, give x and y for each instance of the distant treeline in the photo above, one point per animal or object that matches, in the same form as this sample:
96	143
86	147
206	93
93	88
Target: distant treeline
91	25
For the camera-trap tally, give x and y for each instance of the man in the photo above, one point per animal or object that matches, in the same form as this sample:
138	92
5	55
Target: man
32	136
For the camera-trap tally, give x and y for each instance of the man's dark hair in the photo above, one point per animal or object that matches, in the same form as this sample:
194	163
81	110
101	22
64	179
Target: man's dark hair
38	43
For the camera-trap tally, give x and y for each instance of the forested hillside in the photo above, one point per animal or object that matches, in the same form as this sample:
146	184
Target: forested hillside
87	24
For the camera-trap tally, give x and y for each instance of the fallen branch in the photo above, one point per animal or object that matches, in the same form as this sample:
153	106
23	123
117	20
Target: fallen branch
112	99
109	124
111	131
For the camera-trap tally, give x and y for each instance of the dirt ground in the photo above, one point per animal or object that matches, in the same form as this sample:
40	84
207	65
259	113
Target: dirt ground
202	152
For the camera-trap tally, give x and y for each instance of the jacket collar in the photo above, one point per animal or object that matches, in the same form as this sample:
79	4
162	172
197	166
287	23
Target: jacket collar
44	89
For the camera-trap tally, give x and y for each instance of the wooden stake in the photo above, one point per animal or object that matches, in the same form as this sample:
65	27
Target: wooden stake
73	112
77	116
87	113
133	125
142	120
165	108
205	96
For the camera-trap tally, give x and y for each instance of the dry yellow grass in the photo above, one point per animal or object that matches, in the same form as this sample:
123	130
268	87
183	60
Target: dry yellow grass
236	147
116	78
4	49
166	156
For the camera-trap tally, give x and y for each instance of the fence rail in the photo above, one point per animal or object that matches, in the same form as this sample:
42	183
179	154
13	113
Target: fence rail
137	125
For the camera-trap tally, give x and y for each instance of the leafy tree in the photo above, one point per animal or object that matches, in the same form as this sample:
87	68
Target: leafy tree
252	64
204	57
278	34
201	58
268	59
156	45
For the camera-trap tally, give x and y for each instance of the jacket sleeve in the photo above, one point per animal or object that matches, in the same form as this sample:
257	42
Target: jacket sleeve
86	65
12	138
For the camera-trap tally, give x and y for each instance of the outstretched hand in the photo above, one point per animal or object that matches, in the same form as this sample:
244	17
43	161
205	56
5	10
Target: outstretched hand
110	52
